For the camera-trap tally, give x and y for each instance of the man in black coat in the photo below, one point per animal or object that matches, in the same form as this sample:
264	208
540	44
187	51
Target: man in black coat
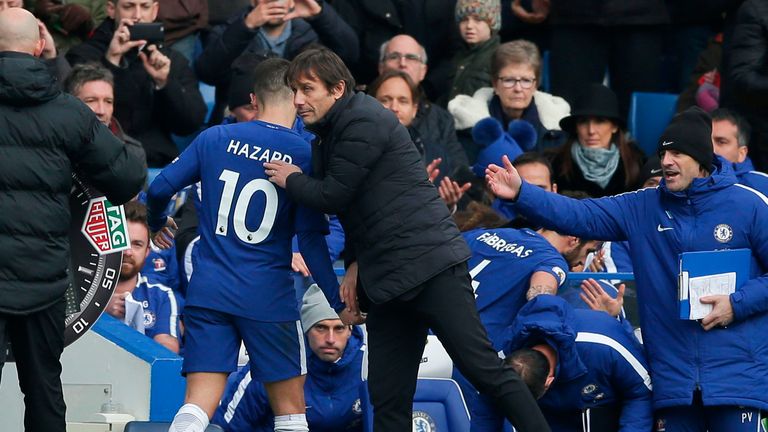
156	92
45	135
409	257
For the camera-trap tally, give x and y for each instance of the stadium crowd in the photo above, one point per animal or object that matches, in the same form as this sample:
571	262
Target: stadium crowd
498	134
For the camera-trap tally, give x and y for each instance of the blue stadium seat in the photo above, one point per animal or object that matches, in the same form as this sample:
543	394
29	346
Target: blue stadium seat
649	115
437	405
142	426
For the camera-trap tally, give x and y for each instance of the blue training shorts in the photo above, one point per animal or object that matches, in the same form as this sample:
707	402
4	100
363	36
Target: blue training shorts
212	342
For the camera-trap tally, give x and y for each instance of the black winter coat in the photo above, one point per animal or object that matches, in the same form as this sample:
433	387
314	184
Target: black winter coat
368	172
434	134
228	41
45	135
431	22
745	75
609	12
147	114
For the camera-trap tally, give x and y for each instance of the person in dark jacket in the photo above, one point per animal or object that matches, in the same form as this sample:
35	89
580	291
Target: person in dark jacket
408	256
282	28
156	92
427	21
479	24
583	365
45	135
744	86
623	37
597	158
335	369
707	374
398	93
432	122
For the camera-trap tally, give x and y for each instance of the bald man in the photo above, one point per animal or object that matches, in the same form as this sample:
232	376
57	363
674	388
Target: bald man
43	135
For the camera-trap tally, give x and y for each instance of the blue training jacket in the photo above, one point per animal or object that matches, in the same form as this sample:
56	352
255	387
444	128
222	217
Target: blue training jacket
746	175
599	364
729	365
331	393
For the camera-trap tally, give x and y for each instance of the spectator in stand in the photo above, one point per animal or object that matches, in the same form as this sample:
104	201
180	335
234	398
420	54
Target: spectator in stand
479	24
704	372
182	20
150	308
71	21
397	92
623	38
335	369
516	76
156	92
703	87
584	366
730	136
94	85
432	122
428	22
597	158
745	76
281	27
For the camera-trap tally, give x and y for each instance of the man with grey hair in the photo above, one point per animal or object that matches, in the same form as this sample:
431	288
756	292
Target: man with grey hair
433	128
43	134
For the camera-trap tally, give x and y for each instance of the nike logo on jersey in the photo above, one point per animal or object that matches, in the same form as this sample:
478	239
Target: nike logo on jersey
666	143
660	228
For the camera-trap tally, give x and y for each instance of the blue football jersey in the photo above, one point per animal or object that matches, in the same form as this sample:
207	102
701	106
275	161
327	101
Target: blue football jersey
161	307
503	261
246	222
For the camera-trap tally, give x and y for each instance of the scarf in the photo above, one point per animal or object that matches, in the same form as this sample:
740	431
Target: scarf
597	165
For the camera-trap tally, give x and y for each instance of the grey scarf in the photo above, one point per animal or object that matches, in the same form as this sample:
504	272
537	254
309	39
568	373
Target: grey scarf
598	165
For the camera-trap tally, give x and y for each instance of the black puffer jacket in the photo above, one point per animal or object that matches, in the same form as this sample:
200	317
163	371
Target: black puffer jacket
609	12
434	134
147	114
368	172
45	135
745	75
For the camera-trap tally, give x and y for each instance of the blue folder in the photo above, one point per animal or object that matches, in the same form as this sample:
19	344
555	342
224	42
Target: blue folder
697	264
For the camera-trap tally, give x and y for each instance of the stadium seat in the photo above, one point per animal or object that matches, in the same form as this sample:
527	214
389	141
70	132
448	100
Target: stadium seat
142	426
649	115
437	405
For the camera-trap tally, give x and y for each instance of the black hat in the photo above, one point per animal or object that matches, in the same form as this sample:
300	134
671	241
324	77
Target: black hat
690	132
243	78
596	100
651	168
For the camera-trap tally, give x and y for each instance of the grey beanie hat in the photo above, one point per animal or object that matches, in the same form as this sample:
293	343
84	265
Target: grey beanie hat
315	308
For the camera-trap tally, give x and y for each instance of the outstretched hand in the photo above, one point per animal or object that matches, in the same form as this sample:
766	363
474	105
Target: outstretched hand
597	299
504	182
164	238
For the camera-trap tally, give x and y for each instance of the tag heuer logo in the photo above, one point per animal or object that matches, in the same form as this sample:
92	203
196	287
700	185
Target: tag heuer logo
105	227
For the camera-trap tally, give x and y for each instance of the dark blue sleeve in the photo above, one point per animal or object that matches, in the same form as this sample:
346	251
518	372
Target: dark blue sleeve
485	416
251	412
184	171
632	383
752	297
335	239
605	218
311	227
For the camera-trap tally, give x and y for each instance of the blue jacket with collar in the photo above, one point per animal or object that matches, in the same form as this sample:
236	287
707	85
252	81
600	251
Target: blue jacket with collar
599	364
331	392
746	175
729	365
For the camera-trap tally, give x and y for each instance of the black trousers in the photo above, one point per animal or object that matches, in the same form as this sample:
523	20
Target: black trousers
580	55
397	332
37	341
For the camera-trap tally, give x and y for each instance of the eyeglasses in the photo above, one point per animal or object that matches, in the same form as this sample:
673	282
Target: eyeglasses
509	82
409	57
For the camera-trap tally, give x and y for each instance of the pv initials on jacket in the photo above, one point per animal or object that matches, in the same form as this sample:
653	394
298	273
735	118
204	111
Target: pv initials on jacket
256	153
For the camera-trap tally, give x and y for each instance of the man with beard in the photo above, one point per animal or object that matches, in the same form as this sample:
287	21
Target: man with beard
159	304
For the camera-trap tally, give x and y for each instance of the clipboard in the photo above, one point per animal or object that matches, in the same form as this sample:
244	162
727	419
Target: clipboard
709	273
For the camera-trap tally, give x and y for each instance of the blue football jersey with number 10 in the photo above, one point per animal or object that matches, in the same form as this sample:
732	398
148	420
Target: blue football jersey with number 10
246	221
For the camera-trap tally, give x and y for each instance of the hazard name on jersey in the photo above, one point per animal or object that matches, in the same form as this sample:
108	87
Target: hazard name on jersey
256	153
501	245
